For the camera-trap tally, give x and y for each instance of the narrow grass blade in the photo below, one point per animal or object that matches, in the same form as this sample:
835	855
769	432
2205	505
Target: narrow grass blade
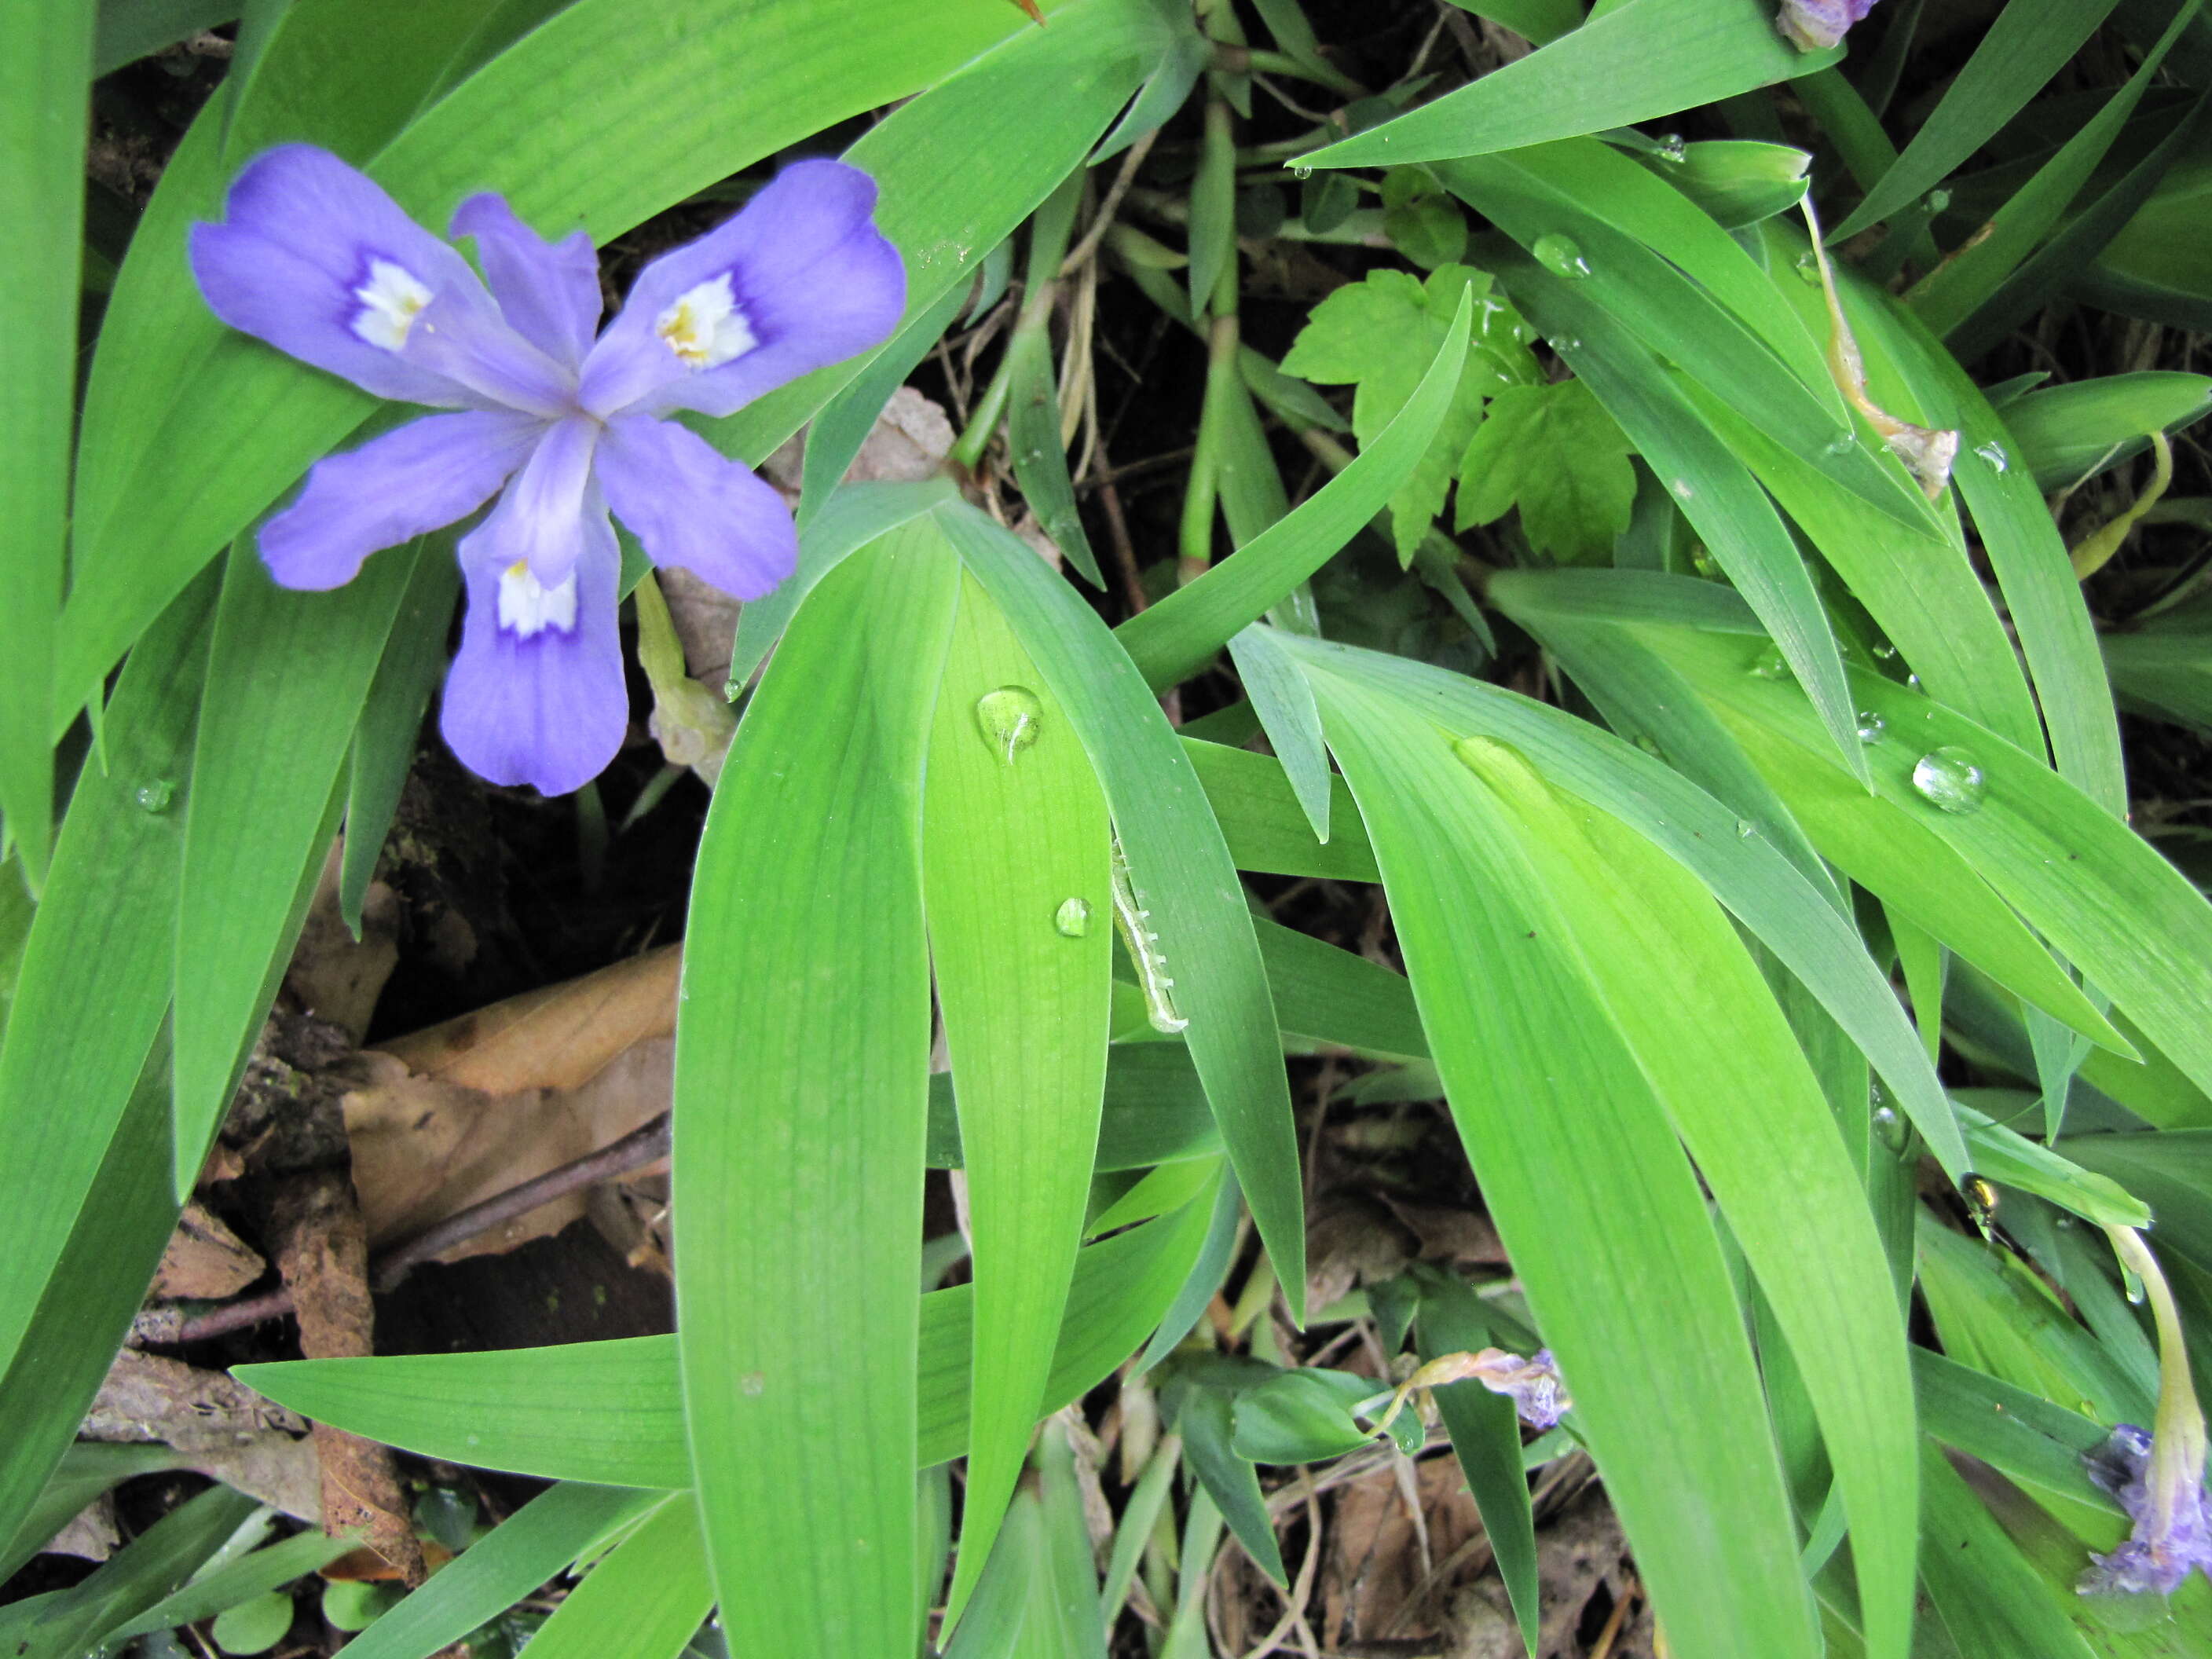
42	139
1015	857
1990	1598
1285	706
70	1623
645	1599
1635	63
1180	870
300	665
530	1546
612	1413
801	1096
1266	823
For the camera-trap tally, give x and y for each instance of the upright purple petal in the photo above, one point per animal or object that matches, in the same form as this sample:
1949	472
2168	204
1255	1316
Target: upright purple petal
1816	25
542	520
425	475
693	507
548	292
536	693
313	258
800	277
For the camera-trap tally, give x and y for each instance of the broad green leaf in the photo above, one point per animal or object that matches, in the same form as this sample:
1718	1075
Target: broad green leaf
300	665
1285	706
1179	869
1553	452
234	1584
1015	856
2028	43
1171	639
1583	1176
1763	890
1990	1599
390	721
42	139
801	1096
1065	1596
612	1413
2067	434
645	1598
1707	1036
69	1624
1716	491
835	437
94	982
1636	63
1334	995
1380	336
1266	823
1040	460
1736	182
530	1546
2004	1156
1202	1406
122	1220
1300	1417
2087	882
2170	1170
2026	1436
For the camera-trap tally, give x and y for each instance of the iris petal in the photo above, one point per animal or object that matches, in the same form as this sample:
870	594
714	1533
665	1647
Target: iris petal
803	272
548	292
313	258
401	485
541	521
694	507
548	707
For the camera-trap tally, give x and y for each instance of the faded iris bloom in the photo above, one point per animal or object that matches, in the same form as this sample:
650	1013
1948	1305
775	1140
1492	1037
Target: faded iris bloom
313	258
2173	1529
1816	25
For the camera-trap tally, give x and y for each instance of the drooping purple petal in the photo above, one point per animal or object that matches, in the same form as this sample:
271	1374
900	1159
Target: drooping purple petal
799	278
693	507
548	292
542	520
1816	25
312	257
2162	1549
535	692
396	487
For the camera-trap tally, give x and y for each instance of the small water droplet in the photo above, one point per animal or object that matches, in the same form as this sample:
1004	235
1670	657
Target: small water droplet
1994	453
1884	651
1683	490
1807	269
1673	148
1745	829
1072	919
1770	664
1912	683
155	797
2133	1283
1891	1128
1301	174
1571	345
1009	718
1842	443
1561	257
753	1383
1871	726
1939	201
1951	778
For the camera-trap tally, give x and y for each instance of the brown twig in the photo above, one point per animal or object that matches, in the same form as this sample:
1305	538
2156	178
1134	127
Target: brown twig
642	1146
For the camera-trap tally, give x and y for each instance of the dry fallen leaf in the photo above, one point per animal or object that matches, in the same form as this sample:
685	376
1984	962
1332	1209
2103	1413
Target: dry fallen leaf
204	1258
146	1397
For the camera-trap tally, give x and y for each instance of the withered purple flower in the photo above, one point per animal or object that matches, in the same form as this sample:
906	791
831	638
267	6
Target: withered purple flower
1816	25
2172	1524
313	258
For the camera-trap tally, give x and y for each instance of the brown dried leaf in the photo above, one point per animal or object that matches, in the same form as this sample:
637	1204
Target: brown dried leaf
146	1397
204	1258
1375	1566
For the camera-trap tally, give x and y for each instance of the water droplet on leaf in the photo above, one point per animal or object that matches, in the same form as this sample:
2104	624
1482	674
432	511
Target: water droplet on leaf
156	796
1871	726
1951	778
1072	919
1770	664
1884	651
1301	174
1994	453
1891	1128
1807	269
1842	443
1672	148
1745	829
1561	257
1009	718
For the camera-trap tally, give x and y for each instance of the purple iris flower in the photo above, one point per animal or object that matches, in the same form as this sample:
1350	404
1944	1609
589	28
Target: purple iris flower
1816	25
2172	1521
313	258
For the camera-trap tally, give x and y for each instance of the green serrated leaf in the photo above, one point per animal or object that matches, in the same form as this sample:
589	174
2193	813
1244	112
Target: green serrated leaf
1553	452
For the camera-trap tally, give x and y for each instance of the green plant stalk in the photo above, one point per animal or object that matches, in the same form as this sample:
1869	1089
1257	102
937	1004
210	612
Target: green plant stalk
1863	148
1222	339
2178	1431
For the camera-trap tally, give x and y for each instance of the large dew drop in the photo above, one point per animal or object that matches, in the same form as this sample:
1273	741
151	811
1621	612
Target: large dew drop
1072	919
1951	778
1561	257
1009	718
1895	1132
